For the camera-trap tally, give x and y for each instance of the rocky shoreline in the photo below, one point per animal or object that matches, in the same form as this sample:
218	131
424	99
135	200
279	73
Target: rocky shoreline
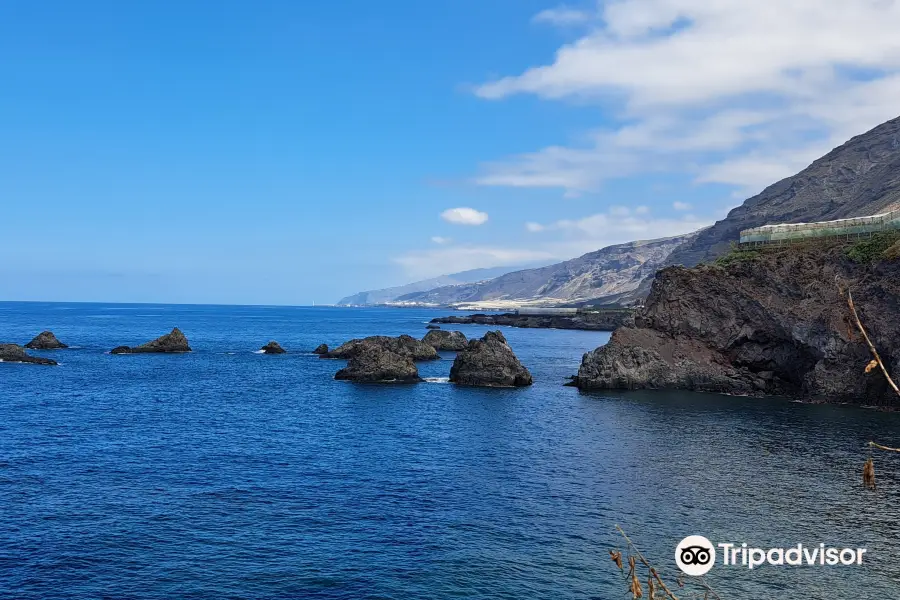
600	321
762	323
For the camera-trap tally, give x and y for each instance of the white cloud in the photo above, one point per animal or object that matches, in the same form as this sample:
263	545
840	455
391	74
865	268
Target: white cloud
563	16
681	205
441	240
464	216
740	92
534	227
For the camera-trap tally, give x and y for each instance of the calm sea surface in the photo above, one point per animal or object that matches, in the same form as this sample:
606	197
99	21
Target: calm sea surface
229	474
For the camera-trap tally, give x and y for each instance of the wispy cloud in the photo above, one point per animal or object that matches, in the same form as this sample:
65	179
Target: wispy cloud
558	240
422	264
441	240
464	216
677	205
740	92
562	16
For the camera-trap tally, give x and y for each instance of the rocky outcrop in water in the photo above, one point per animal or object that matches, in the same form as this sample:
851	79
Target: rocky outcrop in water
591	321
372	362
489	362
45	341
450	341
771	322
321	349
273	347
432	327
13	353
404	345
171	342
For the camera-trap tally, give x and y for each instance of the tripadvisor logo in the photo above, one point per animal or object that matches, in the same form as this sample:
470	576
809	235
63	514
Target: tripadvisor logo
695	555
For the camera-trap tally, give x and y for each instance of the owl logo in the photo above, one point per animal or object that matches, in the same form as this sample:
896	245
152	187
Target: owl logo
695	555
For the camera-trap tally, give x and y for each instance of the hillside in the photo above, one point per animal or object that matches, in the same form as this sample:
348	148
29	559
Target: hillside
390	294
859	178
615	271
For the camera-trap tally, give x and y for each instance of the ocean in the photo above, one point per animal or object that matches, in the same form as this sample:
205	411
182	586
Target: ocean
229	474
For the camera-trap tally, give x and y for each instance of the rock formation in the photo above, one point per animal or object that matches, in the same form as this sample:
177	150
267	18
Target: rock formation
372	362
13	353
404	345
45	341
432	326
489	362
769	322
171	342
451	341
321	349
273	347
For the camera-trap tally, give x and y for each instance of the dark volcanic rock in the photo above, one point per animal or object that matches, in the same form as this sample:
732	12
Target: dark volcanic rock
273	347
321	349
372	362
446	340
607	320
14	353
489	362
404	345
432	327
45	341
772	324
171	342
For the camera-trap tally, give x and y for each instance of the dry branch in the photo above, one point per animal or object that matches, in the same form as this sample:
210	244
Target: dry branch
872	348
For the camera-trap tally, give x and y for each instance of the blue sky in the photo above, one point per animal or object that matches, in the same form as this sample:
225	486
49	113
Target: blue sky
281	152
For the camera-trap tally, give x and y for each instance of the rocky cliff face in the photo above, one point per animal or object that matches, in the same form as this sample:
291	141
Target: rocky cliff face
773	323
613	271
859	178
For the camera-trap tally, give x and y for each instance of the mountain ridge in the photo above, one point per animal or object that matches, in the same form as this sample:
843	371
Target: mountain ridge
616	270
859	178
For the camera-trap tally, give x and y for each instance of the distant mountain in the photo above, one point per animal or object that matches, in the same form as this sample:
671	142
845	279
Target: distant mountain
616	271
390	294
857	179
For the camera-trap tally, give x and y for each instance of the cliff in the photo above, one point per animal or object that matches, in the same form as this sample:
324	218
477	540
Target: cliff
763	323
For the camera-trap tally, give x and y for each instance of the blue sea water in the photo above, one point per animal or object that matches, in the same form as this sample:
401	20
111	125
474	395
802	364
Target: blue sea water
229	474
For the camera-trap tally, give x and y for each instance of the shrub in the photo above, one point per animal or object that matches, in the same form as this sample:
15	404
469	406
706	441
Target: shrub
880	246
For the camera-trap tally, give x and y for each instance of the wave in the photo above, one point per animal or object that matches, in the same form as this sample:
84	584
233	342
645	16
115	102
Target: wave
259	352
437	379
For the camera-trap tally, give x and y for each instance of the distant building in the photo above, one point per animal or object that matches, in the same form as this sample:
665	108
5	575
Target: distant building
547	311
792	232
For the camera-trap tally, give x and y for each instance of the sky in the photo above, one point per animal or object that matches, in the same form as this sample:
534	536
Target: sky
281	152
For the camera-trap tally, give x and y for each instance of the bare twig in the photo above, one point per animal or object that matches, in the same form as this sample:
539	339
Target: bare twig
880	447
872	348
710	593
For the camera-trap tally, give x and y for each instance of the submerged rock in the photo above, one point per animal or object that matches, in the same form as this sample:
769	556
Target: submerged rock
446	340
371	362
171	342
321	349
273	347
405	345
16	354
45	341
432	327
489	362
